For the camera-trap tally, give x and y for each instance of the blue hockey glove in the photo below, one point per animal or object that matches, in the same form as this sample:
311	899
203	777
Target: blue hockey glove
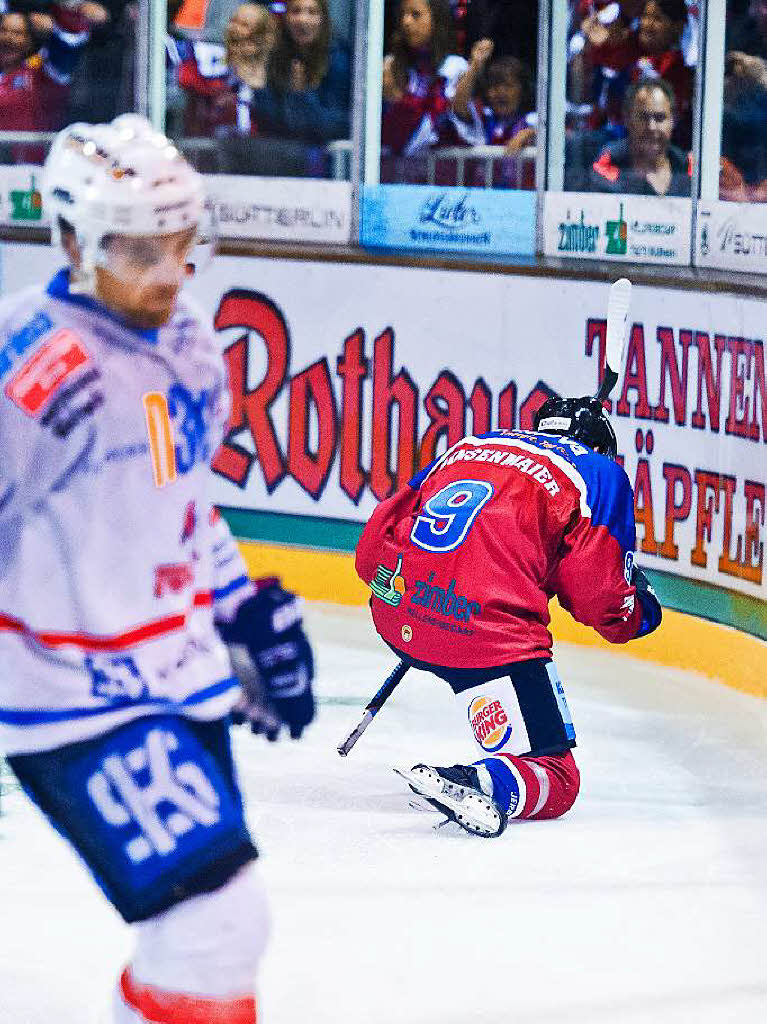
652	612
278	667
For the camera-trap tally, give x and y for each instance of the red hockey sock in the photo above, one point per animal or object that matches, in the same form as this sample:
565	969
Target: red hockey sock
157	1006
551	784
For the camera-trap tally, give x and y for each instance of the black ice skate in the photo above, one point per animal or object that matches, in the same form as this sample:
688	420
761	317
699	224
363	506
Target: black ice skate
462	793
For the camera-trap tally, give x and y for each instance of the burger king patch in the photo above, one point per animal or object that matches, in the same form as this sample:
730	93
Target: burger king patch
490	723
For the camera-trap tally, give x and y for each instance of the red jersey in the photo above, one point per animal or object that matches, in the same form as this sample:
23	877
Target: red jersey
34	95
462	563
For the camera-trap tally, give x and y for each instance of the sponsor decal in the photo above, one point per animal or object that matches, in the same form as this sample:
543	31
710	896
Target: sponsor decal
75	403
311	219
628	566
389	585
18	342
407	634
172	578
447	217
26	204
41	377
617	235
490	723
190	522
737	242
177	451
577	236
444	601
117	679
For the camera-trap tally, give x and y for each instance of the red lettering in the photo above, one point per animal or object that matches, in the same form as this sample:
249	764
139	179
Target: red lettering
352	368
507	407
713	380
596	330
250	408
726	563
707	486
388	391
740	350
760	394
676	511
445	405
480	403
669	368
312	389
643	507
753	548
635	378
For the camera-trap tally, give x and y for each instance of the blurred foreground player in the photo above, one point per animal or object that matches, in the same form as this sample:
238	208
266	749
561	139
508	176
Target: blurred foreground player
118	581
462	564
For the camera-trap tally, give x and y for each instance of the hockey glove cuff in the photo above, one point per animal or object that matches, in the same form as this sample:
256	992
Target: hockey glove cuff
277	685
652	612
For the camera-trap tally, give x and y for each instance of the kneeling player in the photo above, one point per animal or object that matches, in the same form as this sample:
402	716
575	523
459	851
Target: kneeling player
118	581
462	564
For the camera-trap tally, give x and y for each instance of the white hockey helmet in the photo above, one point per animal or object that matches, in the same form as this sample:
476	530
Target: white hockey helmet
122	178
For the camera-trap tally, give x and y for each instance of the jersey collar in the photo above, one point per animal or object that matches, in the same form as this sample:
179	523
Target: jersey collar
59	289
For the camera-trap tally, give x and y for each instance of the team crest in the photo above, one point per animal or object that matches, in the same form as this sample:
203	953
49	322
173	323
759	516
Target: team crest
389	585
490	723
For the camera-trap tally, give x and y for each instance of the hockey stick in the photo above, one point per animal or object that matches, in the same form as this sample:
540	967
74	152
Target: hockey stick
618	305
373	708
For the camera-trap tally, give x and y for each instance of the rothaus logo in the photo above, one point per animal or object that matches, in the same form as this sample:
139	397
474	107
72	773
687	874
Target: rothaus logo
444	602
451	213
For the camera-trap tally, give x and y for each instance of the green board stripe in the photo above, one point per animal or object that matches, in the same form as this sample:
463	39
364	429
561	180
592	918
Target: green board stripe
702	599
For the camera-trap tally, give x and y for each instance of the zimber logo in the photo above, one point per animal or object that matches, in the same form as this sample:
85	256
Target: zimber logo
444	602
489	723
577	235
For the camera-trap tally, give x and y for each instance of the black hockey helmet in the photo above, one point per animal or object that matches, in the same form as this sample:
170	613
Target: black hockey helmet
582	419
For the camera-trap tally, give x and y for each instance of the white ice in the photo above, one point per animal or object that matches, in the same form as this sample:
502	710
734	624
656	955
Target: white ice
647	903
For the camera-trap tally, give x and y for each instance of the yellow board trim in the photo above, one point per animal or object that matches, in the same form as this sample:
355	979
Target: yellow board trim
683	641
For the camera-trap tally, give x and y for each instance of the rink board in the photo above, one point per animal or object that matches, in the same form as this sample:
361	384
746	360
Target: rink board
349	377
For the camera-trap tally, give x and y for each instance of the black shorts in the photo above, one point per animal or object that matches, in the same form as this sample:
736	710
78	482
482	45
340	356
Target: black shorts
152	807
539	692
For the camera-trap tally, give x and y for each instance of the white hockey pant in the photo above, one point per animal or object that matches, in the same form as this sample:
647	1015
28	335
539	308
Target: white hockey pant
199	957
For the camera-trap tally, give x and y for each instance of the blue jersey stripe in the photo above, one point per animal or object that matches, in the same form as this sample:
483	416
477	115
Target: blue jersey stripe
221	592
49	716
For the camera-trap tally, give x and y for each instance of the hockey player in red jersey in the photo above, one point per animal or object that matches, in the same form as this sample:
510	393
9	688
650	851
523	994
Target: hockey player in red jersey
462	564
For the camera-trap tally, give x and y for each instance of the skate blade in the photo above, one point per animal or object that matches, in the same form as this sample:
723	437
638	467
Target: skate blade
472	811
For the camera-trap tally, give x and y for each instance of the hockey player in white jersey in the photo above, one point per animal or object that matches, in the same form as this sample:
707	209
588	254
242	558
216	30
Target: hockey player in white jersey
118	580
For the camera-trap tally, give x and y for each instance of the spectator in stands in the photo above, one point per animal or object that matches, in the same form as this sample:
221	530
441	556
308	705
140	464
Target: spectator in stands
307	92
743	174
748	33
98	79
420	76
661	28
220	81
34	81
645	162
495	97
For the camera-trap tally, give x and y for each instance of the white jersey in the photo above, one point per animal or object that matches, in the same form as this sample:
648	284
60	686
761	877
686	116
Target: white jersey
112	563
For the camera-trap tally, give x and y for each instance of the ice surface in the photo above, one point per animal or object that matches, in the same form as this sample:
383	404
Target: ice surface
647	903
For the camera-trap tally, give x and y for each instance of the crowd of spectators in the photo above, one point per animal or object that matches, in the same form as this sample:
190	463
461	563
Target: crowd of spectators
458	73
274	78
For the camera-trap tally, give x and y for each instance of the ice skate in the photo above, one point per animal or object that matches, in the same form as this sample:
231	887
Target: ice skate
461	793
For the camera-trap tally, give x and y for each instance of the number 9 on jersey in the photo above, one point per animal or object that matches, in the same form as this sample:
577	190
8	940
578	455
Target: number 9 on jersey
448	515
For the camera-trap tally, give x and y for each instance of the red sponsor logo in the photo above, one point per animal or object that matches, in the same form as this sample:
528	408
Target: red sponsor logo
42	375
172	578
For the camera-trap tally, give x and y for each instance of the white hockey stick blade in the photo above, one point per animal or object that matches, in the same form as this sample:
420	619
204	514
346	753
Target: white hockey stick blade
618	305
